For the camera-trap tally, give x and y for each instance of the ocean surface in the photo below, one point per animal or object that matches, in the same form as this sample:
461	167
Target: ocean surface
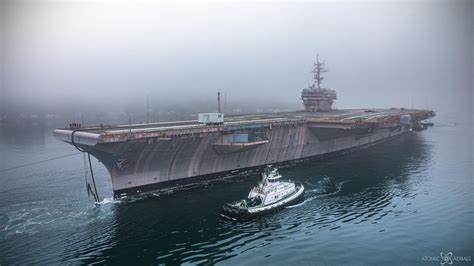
404	202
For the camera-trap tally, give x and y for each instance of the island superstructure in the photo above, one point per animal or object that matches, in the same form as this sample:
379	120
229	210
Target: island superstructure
154	156
315	98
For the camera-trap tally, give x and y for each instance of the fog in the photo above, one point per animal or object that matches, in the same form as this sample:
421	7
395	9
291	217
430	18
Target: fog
71	57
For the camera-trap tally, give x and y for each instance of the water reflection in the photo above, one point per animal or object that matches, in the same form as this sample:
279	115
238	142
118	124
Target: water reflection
186	226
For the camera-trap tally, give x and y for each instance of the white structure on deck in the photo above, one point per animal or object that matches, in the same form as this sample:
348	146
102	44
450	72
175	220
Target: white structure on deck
211	118
272	189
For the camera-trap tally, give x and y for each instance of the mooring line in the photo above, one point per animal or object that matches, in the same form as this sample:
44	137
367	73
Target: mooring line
42	161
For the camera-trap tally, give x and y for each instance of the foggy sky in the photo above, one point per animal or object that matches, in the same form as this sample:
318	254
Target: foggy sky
112	54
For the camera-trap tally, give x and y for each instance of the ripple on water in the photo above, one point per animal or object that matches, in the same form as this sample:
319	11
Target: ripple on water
373	201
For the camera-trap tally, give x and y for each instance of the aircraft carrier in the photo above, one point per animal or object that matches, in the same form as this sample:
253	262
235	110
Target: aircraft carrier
154	156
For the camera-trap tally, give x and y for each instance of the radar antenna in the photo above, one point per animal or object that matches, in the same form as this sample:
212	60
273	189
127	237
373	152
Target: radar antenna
318	70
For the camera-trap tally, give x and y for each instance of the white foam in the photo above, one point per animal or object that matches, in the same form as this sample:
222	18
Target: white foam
108	201
227	217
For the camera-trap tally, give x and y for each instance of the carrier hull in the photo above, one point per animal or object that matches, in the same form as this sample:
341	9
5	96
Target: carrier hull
149	157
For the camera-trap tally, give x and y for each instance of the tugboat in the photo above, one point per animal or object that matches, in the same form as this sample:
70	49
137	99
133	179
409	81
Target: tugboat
419	127
270	195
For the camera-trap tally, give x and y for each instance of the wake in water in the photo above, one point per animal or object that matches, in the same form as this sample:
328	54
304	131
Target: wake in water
227	217
323	184
30	218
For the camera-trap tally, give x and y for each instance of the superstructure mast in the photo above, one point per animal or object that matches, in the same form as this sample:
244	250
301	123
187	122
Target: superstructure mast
318	70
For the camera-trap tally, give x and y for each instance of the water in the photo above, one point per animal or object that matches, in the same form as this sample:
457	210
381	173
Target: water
399	203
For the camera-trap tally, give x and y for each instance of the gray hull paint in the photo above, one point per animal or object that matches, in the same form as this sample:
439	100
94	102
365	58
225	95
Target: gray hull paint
150	161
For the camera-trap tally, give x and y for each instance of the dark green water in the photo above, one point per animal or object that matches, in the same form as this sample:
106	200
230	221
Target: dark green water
399	203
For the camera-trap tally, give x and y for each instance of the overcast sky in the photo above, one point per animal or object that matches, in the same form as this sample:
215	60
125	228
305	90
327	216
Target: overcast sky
379	54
